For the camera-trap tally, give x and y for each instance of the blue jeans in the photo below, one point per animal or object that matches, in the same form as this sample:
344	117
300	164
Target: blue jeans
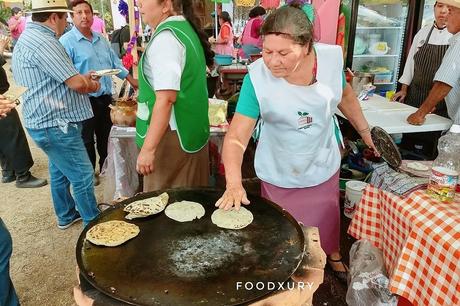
69	164
8	295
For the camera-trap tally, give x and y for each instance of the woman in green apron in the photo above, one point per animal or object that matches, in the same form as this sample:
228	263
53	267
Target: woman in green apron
172	124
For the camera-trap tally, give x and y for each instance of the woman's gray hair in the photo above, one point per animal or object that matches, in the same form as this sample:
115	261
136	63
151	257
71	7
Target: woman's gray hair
290	21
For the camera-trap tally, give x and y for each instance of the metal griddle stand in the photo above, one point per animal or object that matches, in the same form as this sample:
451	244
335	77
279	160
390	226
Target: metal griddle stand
309	275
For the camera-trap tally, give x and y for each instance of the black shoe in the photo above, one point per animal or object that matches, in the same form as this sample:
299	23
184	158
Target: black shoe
66	226
8	179
342	276
30	182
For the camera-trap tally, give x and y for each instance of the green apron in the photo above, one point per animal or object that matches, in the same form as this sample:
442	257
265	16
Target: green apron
191	106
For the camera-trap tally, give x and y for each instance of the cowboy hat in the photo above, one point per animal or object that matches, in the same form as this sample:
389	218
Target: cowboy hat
455	3
43	6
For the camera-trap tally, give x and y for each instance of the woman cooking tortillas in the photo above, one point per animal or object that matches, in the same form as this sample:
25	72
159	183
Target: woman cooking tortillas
295	89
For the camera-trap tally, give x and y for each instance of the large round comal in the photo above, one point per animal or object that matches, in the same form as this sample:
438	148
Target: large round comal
196	262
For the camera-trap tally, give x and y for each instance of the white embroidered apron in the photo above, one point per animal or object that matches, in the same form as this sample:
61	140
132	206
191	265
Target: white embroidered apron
297	146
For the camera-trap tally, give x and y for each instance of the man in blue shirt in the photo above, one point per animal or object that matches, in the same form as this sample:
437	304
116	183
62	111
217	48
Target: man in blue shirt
89	51
54	106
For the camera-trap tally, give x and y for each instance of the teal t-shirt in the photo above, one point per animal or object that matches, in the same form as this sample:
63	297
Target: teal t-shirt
247	102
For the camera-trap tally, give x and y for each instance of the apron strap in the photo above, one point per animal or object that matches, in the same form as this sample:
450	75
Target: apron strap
429	35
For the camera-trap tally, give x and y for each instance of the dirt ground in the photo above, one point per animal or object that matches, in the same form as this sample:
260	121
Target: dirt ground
43	261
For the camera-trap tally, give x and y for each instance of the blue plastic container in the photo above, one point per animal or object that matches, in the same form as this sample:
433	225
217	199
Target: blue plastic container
223	60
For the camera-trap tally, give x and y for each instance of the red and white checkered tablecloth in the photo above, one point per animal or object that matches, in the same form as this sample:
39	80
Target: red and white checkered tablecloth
420	240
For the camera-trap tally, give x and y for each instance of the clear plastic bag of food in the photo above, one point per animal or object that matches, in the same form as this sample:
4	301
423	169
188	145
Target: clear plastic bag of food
368	280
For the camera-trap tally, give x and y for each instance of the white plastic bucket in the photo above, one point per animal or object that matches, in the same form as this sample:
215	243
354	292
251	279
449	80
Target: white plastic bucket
353	194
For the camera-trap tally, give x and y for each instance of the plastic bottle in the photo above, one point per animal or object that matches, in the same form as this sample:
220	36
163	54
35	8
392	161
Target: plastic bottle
446	167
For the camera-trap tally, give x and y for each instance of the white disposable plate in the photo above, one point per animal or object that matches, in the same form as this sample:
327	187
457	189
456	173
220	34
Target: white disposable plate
106	72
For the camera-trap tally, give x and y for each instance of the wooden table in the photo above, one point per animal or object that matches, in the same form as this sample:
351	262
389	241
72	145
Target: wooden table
420	240
119	170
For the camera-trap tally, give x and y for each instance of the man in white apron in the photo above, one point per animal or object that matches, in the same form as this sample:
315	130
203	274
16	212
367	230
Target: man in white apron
425	56
447	79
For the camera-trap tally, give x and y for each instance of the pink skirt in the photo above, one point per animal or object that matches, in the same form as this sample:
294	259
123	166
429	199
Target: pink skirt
312	206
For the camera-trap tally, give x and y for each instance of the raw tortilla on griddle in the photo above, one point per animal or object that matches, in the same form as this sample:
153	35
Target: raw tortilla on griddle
232	219
185	211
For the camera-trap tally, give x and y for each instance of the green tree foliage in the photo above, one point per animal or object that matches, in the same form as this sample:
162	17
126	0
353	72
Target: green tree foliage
107	9
5	12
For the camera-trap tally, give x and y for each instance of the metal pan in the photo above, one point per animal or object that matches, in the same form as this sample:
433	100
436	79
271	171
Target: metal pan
194	263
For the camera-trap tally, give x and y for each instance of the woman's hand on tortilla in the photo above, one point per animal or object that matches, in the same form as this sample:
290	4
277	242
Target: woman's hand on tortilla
234	196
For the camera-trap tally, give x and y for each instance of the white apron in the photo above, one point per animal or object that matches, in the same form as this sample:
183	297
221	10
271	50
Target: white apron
297	146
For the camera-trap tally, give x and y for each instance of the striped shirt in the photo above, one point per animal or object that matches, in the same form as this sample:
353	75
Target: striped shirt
41	64
449	73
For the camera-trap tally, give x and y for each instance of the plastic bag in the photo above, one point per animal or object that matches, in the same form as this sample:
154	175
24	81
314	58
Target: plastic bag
119	168
217	112
368	281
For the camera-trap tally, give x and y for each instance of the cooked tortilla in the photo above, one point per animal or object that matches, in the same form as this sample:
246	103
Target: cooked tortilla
185	211
147	207
232	219
112	233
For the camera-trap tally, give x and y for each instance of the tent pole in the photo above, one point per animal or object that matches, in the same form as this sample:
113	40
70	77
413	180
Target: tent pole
216	18
102	9
132	26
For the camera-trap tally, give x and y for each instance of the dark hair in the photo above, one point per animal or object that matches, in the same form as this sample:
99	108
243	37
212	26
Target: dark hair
44	16
257	11
78	2
225	17
185	8
15	10
292	22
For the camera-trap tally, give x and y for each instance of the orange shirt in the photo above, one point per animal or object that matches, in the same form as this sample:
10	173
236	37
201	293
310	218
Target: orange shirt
225	31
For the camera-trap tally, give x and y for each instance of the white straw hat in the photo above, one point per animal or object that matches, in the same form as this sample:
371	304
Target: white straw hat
455	3
43	6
